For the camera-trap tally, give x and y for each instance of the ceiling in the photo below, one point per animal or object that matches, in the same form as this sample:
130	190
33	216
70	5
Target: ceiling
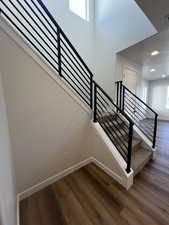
157	11
141	54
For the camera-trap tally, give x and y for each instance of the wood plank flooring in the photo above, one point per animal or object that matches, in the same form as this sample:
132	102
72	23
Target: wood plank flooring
90	197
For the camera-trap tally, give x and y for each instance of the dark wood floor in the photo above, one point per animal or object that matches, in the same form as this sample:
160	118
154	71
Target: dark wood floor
89	197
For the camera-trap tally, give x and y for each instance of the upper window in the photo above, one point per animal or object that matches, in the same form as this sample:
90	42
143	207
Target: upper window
167	105
80	8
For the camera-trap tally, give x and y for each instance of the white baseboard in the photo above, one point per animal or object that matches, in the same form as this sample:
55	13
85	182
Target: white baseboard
107	170
53	179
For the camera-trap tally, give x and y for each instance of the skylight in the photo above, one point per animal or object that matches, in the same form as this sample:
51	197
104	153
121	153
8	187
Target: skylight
80	8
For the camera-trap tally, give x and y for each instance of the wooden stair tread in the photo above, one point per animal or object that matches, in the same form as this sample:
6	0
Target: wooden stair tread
139	159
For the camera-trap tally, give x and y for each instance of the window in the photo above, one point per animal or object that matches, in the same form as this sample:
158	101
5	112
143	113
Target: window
144	98
167	105
80	8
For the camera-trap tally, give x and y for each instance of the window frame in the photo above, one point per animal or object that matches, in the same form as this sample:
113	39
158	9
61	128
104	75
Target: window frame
87	9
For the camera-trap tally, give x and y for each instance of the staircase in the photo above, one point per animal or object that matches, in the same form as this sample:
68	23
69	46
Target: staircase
33	21
141	153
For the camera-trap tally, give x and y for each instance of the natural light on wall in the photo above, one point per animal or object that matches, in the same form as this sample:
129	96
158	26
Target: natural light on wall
80	8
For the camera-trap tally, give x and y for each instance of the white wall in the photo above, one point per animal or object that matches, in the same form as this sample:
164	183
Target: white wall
122	23
116	30
47	126
49	130
122	62
158	97
7	177
79	31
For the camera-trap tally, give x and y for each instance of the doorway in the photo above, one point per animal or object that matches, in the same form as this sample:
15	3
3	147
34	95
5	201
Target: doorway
130	78
130	81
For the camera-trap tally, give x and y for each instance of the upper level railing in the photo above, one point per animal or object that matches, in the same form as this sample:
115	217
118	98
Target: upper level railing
38	27
143	116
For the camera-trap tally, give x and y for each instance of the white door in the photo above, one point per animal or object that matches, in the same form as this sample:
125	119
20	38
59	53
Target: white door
130	81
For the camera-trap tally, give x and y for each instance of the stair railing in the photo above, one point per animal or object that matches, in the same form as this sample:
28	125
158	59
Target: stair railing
39	29
115	122
143	116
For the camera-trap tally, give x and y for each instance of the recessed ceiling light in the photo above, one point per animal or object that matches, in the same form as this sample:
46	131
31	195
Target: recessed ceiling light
154	53
163	75
152	70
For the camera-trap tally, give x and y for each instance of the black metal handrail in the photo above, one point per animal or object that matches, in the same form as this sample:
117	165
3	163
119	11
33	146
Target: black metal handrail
143	116
38	27
115	122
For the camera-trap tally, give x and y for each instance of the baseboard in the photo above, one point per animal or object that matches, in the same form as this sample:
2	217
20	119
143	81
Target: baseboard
107	170
53	179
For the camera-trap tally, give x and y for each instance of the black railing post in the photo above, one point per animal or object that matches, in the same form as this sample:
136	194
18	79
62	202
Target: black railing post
59	53
117	94
130	147
91	91
155	130
95	103
120	97
123	97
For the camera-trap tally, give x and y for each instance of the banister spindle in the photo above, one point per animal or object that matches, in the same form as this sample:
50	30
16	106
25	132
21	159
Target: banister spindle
95	103
120	97
130	147
155	130
59	52
91	91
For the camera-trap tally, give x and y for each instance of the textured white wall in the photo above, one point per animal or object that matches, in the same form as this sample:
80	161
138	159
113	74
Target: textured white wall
7	177
47	126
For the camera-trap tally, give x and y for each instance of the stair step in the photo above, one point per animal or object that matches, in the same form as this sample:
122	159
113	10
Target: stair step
140	159
136	144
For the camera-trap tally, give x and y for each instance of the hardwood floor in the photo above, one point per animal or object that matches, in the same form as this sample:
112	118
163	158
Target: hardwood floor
90	197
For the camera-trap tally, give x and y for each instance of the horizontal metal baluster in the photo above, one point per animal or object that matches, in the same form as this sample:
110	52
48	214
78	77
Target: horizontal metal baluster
115	141
29	40
54	45
79	93
74	83
137	105
74	76
79	77
46	19
73	64
73	56
30	33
